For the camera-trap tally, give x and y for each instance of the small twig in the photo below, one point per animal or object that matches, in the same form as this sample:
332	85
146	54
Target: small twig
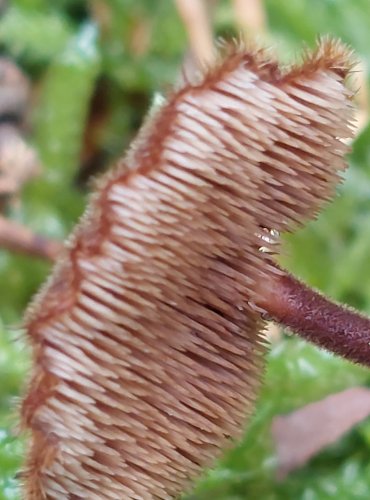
196	19
334	327
250	16
362	96
18	238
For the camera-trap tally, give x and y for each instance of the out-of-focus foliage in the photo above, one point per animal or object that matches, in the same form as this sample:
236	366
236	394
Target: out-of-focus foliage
30	47
95	66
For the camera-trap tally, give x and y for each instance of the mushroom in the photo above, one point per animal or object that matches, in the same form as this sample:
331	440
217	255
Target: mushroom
148	338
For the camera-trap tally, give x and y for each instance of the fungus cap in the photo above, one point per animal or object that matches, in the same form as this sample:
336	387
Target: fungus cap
148	349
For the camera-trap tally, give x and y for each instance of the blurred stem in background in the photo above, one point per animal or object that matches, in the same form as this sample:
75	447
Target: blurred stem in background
250	16
196	17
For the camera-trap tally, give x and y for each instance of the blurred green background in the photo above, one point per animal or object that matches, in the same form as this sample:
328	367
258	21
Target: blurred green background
95	67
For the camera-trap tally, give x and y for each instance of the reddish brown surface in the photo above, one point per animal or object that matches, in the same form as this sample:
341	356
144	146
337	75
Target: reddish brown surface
334	327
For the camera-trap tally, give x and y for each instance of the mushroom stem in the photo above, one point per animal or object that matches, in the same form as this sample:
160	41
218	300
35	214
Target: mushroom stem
334	327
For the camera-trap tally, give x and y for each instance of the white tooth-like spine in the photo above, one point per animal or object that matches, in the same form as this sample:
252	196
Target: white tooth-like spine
147	346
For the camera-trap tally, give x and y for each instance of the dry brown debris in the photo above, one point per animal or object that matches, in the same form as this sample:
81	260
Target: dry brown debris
305	432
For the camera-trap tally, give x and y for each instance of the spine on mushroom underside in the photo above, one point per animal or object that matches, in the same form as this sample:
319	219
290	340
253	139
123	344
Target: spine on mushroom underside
147	350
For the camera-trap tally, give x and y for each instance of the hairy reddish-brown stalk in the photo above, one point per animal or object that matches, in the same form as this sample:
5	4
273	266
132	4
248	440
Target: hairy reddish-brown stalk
293	304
